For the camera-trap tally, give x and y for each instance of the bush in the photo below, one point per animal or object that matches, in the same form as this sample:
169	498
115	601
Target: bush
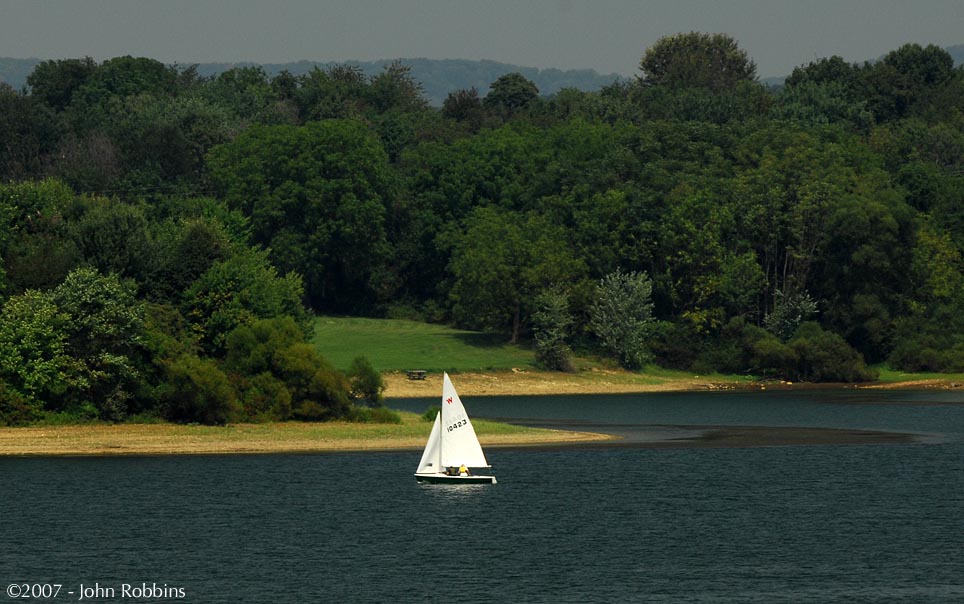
15	408
366	383
430	413
199	392
823	356
373	415
265	398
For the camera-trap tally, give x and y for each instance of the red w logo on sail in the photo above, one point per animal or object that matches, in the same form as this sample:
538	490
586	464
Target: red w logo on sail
449	400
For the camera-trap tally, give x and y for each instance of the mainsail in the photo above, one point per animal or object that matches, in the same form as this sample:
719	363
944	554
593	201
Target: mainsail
460	445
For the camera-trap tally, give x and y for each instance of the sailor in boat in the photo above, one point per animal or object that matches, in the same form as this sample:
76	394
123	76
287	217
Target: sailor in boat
463	471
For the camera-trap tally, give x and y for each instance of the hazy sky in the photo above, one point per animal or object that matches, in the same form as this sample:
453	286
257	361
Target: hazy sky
606	35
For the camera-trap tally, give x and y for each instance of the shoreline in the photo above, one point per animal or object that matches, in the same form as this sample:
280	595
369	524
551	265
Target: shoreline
119	440
151	440
334	437
609	381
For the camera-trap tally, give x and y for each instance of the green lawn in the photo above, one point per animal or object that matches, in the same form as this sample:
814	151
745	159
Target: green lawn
889	375
396	344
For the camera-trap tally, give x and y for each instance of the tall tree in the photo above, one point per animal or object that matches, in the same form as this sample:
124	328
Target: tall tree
696	60
500	265
621	316
317	197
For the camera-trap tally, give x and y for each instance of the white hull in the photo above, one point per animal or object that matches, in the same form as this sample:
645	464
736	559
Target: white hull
449	479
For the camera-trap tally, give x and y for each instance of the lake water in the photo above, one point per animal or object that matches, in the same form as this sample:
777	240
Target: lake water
821	524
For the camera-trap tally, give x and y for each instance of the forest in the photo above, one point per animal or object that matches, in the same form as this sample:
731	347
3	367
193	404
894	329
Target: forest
167	237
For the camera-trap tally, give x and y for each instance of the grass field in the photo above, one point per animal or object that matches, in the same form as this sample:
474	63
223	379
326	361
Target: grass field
396	344
888	375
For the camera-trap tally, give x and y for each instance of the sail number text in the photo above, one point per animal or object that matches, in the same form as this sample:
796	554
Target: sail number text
461	421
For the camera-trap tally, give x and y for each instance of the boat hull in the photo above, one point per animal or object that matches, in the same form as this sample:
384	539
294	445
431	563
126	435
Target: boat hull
446	479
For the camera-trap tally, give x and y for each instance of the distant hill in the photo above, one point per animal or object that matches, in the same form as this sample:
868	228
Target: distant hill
957	53
15	71
438	77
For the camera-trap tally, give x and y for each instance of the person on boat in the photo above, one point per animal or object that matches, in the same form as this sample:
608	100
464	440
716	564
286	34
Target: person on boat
463	471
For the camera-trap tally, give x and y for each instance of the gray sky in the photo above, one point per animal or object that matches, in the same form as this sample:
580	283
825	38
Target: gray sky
606	35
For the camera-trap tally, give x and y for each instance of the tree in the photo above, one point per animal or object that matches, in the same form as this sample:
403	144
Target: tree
317	197
104	336
238	291
906	78
197	391
114	237
696	60
789	312
34	358
551	322
366	382
501	263
621	316
28	132
464	106
395	89
55	82
510	93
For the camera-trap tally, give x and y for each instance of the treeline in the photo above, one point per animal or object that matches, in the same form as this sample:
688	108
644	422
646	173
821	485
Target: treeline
691	217
437	77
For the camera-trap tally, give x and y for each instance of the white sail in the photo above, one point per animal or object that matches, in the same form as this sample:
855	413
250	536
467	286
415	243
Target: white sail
460	445
431	456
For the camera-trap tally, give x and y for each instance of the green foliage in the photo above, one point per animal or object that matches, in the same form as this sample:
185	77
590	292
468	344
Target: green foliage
823	356
374	415
197	391
552	323
747	207
237	291
316	196
430	413
34	361
510	93
696	60
501	263
366	383
114	237
104	337
621	316
55	82
790	310
16	409
281	377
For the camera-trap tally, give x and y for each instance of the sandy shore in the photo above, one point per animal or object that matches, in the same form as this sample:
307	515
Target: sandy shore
171	439
517	382
599	381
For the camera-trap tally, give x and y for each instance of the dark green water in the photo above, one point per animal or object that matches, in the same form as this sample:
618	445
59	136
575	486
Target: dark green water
872	523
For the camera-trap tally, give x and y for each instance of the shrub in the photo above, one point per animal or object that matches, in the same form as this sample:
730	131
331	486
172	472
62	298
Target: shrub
199	392
15	408
366	383
373	415
265	398
823	356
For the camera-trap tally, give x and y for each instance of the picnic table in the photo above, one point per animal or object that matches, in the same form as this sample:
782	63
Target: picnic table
416	374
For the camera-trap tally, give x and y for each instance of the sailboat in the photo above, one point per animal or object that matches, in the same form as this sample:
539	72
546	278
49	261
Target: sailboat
452	447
